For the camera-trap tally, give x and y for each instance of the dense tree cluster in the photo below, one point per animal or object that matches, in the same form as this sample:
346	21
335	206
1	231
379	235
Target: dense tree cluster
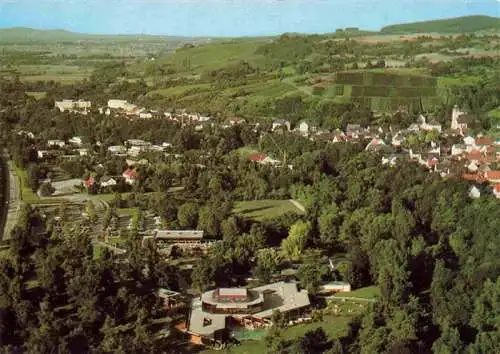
57	295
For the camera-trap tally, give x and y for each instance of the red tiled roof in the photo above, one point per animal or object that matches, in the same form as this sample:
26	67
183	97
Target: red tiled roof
257	156
485	140
496	188
89	182
472	177
474	155
492	175
432	162
130	173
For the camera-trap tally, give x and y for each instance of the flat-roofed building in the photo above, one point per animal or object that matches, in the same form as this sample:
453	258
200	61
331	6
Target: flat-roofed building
185	240
335	287
79	106
252	308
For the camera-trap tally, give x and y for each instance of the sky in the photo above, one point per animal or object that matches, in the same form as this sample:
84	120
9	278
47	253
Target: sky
229	17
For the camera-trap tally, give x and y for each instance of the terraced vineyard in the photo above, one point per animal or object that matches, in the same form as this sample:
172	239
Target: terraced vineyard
385	91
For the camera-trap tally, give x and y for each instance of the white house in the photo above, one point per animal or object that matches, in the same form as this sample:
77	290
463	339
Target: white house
303	128
281	123
130	176
391	161
474	193
473	167
457	149
469	141
338	136
135	151
496	190
26	133
157	148
145	115
122	105
423	125
117	104
138	142
398	140
434	149
335	287
415	128
107	181
236	120
83	152
59	143
374	143
79	106
202	118
42	153
117	149
76	140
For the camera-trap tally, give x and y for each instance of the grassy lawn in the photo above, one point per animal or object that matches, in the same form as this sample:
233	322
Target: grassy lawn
334	327
368	292
127	211
494	113
5	254
27	195
97	252
179	90
36	94
264	209
245	151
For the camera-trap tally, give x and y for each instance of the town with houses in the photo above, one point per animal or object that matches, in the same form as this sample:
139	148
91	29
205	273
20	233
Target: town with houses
475	158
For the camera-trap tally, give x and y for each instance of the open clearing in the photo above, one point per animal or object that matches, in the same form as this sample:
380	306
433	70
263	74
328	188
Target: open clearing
335	327
265	209
369	292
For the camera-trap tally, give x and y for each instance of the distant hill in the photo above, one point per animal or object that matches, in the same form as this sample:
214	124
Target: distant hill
452	25
27	35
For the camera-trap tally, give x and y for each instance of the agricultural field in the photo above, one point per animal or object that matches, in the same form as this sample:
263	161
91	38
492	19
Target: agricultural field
265	209
384	91
213	56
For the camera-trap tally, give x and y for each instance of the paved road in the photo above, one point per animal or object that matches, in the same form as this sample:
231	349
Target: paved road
298	205
14	202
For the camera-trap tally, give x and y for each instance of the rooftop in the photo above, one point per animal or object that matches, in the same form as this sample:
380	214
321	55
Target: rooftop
244	299
204	323
232	292
282	296
179	234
